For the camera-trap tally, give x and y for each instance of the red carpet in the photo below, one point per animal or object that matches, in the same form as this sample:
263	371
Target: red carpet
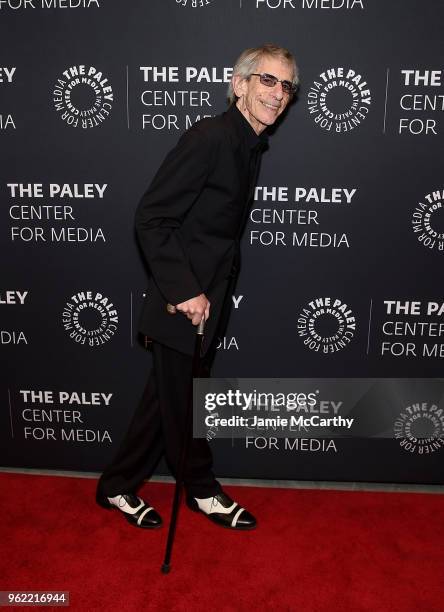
313	550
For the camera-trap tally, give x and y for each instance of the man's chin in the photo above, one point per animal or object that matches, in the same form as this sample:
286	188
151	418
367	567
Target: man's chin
269	119
268	122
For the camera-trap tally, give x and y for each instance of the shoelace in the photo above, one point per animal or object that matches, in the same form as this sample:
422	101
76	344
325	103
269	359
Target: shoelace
215	502
121	498
122	501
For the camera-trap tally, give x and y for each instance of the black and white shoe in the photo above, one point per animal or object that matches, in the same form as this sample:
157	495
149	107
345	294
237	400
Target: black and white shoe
223	511
135	510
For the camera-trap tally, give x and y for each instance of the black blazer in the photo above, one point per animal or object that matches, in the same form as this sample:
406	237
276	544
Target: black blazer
189	223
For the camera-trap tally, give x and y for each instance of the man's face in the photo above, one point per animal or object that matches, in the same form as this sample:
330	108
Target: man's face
262	105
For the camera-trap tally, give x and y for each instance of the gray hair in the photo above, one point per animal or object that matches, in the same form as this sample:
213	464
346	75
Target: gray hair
249	59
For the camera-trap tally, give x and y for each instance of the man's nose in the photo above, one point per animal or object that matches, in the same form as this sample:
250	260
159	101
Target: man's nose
278	92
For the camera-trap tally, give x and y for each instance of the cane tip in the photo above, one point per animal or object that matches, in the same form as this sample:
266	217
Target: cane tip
166	568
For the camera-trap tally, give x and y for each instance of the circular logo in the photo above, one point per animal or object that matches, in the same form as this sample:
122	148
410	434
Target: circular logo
83	96
420	428
428	221
326	324
90	318
339	100
193	3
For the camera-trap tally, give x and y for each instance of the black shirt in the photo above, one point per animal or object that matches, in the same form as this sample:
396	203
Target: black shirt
253	147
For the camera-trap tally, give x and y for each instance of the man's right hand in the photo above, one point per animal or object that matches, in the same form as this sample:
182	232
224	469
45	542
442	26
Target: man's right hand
195	308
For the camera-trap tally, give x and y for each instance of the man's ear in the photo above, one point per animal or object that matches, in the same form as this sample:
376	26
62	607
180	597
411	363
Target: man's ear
239	85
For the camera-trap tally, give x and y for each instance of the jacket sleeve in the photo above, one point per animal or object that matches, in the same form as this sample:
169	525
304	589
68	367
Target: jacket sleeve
162	210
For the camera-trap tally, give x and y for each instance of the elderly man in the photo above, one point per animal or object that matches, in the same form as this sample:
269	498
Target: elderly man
189	224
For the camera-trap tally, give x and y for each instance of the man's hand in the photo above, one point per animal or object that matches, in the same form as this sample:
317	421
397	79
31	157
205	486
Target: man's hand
195	308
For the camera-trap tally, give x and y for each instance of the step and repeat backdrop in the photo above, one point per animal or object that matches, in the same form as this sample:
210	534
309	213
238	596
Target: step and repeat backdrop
341	257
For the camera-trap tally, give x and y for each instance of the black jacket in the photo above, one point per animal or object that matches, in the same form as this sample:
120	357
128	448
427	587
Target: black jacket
190	220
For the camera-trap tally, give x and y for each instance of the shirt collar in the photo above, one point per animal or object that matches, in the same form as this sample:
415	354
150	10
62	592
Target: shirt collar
244	129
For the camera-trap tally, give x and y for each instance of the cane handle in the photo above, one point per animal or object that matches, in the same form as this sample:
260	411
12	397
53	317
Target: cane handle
200	328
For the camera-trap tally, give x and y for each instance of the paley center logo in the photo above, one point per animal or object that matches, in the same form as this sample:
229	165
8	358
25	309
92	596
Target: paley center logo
193	3
339	99
428	220
326	325
83	96
420	428
90	318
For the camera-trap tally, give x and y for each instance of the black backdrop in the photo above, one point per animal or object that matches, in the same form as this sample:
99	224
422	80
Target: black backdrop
94	94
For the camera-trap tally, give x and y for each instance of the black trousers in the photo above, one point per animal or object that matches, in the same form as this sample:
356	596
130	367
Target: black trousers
157	428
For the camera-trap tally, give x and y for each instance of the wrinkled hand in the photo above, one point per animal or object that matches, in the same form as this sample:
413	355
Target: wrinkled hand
195	308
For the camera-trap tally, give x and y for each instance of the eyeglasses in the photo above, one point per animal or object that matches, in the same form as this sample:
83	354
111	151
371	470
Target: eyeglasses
270	81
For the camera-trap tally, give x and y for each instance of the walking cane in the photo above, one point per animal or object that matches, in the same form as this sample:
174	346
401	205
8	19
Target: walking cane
166	566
